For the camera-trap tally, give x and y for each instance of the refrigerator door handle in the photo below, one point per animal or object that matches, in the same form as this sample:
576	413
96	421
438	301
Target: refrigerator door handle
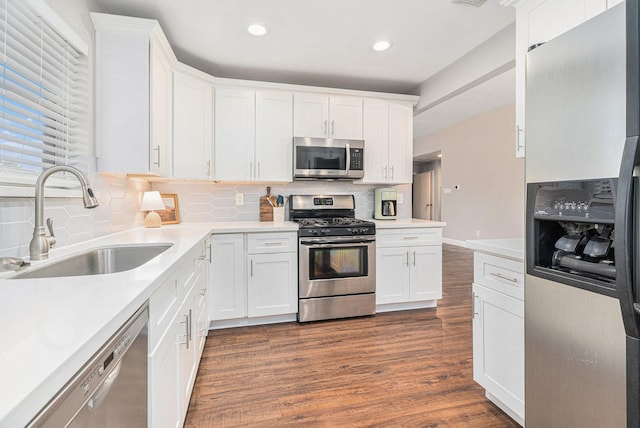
624	227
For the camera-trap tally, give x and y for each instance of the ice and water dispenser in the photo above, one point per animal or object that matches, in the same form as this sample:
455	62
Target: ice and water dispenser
570	233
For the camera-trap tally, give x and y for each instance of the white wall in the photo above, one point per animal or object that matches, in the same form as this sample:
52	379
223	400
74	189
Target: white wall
479	155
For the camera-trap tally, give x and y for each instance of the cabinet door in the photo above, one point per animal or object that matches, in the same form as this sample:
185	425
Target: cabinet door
164	397
234	134
426	272
272	284
400	143
161	102
376	137
498	346
274	136
310	115
392	275
228	293
192	127
345	114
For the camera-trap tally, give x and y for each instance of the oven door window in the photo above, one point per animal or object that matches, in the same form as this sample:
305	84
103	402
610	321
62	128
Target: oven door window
331	158
338	262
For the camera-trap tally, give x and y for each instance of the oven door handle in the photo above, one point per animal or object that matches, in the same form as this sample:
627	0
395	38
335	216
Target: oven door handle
325	244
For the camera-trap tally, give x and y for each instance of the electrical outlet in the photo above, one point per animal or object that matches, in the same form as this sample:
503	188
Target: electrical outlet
400	198
477	233
239	199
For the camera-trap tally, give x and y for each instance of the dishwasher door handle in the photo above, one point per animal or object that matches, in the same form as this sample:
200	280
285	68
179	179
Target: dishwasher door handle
103	390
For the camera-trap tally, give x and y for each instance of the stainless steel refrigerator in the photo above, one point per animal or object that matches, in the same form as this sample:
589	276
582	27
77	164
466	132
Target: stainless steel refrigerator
575	341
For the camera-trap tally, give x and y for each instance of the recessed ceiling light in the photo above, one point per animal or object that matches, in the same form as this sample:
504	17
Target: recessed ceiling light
256	29
381	45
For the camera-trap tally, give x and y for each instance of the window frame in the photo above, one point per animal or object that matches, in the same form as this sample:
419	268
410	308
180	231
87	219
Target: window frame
17	182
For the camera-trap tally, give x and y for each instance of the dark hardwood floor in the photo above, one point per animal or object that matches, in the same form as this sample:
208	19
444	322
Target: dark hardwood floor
400	369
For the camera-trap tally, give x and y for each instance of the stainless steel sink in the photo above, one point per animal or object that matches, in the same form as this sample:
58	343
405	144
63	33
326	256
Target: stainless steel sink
98	261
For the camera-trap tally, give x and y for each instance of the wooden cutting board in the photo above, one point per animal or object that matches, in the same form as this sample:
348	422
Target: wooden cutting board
266	208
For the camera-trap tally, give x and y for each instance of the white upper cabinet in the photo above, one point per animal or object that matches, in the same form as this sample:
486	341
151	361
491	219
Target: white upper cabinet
234	134
192	127
274	136
253	135
327	116
133	66
388	136
538	21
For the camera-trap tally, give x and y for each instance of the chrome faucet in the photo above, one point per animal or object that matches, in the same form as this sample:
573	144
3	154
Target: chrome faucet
40	243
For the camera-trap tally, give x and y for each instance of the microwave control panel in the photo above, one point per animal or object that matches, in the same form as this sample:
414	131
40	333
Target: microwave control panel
357	159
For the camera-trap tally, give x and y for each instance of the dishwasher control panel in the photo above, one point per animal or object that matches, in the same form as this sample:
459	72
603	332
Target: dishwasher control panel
93	379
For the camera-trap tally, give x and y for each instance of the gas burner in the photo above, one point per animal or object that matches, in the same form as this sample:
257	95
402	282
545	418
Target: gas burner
326	215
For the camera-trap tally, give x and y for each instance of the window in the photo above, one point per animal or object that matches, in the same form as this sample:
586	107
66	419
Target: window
43	93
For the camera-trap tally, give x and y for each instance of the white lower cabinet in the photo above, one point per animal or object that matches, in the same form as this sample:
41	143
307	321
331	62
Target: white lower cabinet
255	275
408	266
228	296
164	401
269	290
498	332
174	345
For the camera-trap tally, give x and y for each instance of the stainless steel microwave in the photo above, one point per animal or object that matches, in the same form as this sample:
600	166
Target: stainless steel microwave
327	158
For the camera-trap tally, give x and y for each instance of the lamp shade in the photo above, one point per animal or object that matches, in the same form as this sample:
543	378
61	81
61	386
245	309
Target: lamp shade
151	201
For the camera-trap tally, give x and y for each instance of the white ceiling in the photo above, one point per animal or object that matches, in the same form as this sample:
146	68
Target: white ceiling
327	42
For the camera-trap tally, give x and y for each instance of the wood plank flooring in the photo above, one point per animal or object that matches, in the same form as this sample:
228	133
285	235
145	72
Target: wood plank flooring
400	369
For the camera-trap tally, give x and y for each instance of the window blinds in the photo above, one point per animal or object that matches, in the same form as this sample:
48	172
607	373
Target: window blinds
43	94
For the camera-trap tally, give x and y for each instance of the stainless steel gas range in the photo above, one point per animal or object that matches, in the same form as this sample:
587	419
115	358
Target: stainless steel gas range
337	258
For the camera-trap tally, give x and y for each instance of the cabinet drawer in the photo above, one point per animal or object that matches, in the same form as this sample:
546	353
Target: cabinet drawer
259	243
409	237
163	305
499	274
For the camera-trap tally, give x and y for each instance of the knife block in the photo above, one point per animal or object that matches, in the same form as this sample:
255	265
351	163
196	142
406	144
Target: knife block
266	209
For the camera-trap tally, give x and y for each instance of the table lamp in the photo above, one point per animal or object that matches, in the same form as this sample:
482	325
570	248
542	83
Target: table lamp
152	201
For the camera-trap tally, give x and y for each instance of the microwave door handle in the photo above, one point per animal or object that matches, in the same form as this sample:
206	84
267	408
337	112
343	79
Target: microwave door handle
348	158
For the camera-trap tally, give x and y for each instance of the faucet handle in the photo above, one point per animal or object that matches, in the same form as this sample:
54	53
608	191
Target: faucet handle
52	238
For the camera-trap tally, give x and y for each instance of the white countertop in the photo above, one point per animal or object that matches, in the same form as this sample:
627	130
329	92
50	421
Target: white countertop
402	223
253	226
508	247
50	327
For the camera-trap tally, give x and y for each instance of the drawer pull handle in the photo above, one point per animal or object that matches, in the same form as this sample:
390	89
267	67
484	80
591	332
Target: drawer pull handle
503	277
408	238
272	244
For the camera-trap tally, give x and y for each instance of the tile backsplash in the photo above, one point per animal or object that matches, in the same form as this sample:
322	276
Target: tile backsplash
203	202
118	196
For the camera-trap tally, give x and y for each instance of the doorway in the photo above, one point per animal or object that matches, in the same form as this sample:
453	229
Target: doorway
426	189
423	195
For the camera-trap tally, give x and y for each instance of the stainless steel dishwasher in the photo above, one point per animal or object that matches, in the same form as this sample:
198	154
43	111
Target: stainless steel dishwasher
111	389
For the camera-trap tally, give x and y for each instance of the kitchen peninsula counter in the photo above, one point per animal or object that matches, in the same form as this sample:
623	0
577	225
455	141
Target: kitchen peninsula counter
512	248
